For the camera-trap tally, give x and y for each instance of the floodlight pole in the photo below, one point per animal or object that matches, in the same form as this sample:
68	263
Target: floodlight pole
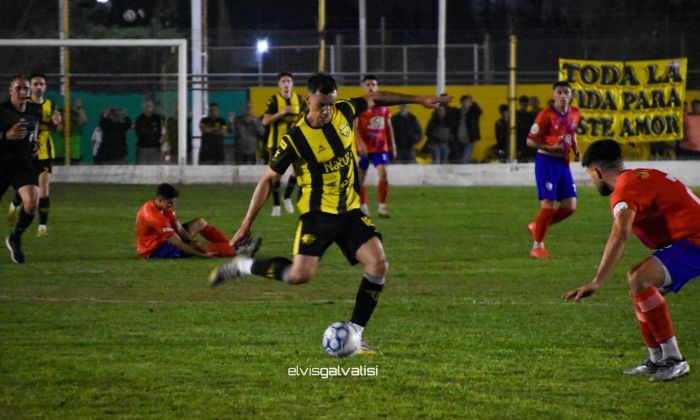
442	22
363	37
321	35
64	33
197	86
512	149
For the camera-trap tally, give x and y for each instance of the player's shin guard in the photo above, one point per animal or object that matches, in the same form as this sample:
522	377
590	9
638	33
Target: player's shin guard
383	190
44	206
655	311
291	183
542	223
560	214
16	199
649	339
23	223
276	268
221	249
212	234
366	300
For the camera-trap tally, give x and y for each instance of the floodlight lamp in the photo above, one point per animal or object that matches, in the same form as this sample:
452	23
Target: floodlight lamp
103	1
262	46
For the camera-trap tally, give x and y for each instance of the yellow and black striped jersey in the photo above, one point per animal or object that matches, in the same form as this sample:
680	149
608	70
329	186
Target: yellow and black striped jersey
44	139
281	126
325	160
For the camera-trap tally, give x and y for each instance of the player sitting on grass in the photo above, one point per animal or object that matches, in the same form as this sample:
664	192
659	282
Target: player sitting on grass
160	235
664	214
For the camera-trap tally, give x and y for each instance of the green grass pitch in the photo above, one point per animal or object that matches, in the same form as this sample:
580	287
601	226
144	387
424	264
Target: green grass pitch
470	326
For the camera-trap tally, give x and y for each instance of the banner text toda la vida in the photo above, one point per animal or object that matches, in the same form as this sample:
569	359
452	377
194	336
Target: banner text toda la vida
630	101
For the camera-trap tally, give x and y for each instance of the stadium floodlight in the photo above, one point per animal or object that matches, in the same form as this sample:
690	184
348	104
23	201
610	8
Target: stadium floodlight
103	1
262	46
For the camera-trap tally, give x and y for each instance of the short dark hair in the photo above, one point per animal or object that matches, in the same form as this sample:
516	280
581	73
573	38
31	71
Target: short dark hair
167	191
213	104
463	97
502	108
33	75
18	77
283	74
561	83
369	77
694	102
322	83
523	98
605	153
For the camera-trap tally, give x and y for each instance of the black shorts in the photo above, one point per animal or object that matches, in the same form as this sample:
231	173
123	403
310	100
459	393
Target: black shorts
42	165
17	174
316	231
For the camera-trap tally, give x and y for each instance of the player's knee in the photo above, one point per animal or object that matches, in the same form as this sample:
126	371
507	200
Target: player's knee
298	277
29	205
635	282
378	267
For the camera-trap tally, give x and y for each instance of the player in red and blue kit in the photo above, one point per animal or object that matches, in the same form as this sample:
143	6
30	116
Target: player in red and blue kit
375	141
554	136
664	215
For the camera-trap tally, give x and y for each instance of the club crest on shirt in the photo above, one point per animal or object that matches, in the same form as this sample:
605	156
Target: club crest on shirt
308	239
642	175
345	130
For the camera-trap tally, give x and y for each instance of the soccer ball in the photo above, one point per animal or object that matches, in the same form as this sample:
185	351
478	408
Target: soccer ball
341	339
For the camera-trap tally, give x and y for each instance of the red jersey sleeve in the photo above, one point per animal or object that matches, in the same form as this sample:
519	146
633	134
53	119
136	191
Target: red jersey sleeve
540	126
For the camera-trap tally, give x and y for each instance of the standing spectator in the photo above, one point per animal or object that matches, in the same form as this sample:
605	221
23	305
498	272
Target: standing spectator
78	119
439	134
248	129
407	133
535	105
149	128
689	148
502	128
171	143
213	128
467	130
523	122
114	123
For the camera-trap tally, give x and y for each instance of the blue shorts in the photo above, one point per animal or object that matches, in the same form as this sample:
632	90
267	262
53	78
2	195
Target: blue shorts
167	250
376	159
682	260
554	179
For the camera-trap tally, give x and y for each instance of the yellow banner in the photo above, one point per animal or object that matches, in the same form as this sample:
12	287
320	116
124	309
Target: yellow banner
630	101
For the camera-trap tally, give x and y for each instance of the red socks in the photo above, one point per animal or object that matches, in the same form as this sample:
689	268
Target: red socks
383	191
647	335
363	194
222	249
654	310
542	223
212	234
560	214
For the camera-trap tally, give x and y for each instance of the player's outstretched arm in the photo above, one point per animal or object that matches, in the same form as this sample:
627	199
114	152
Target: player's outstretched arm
262	191
614	248
391	98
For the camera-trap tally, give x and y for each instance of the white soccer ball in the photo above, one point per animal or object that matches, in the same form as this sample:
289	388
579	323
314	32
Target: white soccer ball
341	340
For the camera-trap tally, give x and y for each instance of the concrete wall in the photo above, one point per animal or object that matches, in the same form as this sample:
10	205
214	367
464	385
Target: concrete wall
520	174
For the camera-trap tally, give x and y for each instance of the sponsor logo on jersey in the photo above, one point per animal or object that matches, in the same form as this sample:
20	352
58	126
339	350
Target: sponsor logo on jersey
338	162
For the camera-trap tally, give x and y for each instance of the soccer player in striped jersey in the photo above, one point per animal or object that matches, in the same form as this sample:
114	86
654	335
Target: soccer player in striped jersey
664	215
323	152
376	137
554	136
284	109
